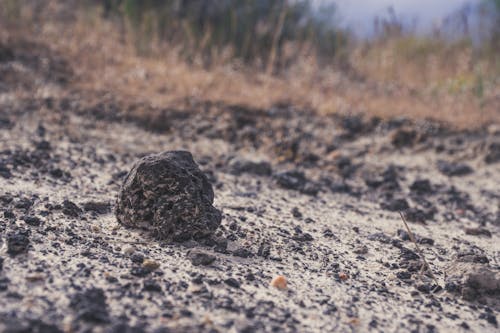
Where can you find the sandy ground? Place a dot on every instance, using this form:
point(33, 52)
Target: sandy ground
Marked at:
point(323, 211)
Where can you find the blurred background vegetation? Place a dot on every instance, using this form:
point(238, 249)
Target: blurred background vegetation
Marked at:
point(275, 34)
point(296, 47)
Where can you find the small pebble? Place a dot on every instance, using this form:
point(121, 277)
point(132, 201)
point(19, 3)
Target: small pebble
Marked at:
point(150, 264)
point(279, 282)
point(129, 250)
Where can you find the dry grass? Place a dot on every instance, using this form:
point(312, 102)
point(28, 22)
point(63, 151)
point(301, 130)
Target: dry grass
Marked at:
point(386, 82)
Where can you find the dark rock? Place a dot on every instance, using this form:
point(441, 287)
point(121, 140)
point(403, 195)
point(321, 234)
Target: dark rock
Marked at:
point(71, 209)
point(151, 285)
point(472, 257)
point(395, 205)
point(403, 137)
point(137, 258)
point(168, 195)
point(418, 215)
point(296, 213)
point(18, 241)
point(404, 275)
point(98, 207)
point(454, 169)
point(90, 306)
point(296, 180)
point(4, 283)
point(140, 271)
point(381, 237)
point(5, 171)
point(59, 173)
point(127, 328)
point(23, 203)
point(1, 263)
point(421, 186)
point(478, 232)
point(425, 241)
point(20, 325)
point(493, 155)
point(200, 258)
point(242, 252)
point(490, 318)
point(303, 237)
point(407, 254)
point(345, 166)
point(403, 235)
point(43, 145)
point(232, 282)
point(8, 214)
point(264, 250)
point(32, 220)
point(238, 166)
point(473, 281)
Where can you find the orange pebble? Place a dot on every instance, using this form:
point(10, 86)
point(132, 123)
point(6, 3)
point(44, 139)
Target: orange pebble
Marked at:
point(279, 282)
point(343, 276)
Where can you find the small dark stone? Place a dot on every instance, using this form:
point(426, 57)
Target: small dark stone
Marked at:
point(56, 173)
point(293, 180)
point(296, 213)
point(472, 257)
point(32, 220)
point(126, 328)
point(198, 258)
point(478, 232)
point(264, 250)
point(170, 196)
point(407, 254)
point(425, 241)
point(90, 306)
point(493, 155)
point(140, 271)
point(404, 275)
point(4, 283)
point(98, 207)
point(395, 205)
point(404, 137)
point(21, 325)
point(296, 180)
point(239, 166)
point(1, 263)
point(242, 252)
point(418, 215)
point(137, 258)
point(18, 241)
point(151, 285)
point(403, 235)
point(454, 169)
point(328, 233)
point(490, 318)
point(421, 186)
point(424, 288)
point(303, 237)
point(232, 282)
point(8, 214)
point(381, 237)
point(23, 203)
point(5, 171)
point(71, 209)
point(43, 145)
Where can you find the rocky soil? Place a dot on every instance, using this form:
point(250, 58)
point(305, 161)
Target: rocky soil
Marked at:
point(310, 197)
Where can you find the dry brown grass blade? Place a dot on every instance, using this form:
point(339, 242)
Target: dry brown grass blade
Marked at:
point(412, 237)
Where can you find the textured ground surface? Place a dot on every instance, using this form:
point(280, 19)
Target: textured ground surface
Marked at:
point(322, 211)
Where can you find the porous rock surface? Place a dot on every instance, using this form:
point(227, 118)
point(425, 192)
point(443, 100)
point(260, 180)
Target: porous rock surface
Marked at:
point(170, 196)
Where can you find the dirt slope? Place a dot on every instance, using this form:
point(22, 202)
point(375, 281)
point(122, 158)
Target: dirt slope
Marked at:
point(322, 210)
